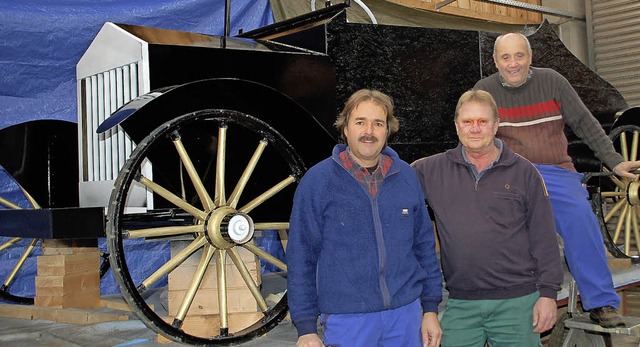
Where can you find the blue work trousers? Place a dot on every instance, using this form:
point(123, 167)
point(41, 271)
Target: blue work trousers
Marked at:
point(579, 228)
point(399, 327)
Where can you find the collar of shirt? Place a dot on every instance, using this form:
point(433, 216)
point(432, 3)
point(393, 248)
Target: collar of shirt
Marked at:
point(506, 85)
point(368, 181)
point(478, 175)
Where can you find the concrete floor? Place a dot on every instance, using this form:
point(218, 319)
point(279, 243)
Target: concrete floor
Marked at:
point(23, 332)
point(132, 332)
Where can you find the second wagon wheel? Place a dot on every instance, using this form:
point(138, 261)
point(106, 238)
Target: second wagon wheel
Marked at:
point(24, 251)
point(219, 178)
point(618, 201)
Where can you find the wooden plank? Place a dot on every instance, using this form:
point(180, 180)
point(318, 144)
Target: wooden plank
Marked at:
point(206, 301)
point(181, 277)
point(71, 316)
point(619, 263)
point(86, 300)
point(79, 283)
point(477, 9)
point(65, 246)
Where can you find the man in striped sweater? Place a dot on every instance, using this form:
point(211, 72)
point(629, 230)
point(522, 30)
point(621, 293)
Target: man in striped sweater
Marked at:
point(534, 105)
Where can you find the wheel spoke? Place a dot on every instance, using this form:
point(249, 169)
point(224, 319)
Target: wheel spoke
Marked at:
point(634, 146)
point(174, 199)
point(20, 263)
point(166, 231)
point(614, 194)
point(266, 195)
point(621, 219)
point(221, 272)
point(246, 276)
point(616, 180)
point(621, 203)
point(284, 237)
point(242, 182)
point(9, 204)
point(627, 231)
point(220, 194)
point(30, 198)
point(634, 225)
point(193, 175)
point(207, 254)
point(173, 263)
point(10, 243)
point(623, 146)
point(272, 226)
point(265, 255)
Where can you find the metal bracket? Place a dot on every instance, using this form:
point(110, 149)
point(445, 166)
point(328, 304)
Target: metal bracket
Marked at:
point(442, 4)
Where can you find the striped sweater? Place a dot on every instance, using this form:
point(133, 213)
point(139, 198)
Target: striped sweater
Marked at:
point(533, 116)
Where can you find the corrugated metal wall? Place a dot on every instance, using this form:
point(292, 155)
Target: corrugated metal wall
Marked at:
point(614, 36)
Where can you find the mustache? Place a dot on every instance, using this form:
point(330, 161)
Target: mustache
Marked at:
point(368, 138)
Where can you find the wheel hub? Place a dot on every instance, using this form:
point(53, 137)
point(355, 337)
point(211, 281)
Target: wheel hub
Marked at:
point(632, 193)
point(239, 228)
point(227, 227)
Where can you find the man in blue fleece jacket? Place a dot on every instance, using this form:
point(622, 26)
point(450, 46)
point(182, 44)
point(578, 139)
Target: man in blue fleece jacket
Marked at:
point(361, 251)
point(500, 254)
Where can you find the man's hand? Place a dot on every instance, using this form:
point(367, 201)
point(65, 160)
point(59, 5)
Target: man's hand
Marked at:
point(624, 169)
point(544, 314)
point(309, 340)
point(431, 331)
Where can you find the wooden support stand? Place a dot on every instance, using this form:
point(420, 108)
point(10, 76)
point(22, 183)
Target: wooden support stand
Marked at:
point(68, 286)
point(68, 274)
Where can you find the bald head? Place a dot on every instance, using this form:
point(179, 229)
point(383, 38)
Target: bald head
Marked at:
point(512, 56)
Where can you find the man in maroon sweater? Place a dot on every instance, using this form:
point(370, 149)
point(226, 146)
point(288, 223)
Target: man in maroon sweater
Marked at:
point(534, 104)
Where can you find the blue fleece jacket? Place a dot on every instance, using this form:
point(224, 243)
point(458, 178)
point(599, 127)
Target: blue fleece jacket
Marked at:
point(351, 253)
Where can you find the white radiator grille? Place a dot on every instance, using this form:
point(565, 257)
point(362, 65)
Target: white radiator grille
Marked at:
point(104, 93)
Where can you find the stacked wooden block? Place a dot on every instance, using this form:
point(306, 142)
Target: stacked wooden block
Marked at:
point(68, 274)
point(202, 318)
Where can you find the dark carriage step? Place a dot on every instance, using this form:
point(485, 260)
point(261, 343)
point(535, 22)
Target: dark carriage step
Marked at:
point(55, 223)
point(583, 322)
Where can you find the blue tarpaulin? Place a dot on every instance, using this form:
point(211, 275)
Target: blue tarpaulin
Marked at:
point(42, 41)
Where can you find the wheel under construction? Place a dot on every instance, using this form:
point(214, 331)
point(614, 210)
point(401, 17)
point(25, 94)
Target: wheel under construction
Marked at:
point(215, 259)
point(618, 200)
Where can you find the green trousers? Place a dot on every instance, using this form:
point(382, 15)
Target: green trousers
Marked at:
point(500, 323)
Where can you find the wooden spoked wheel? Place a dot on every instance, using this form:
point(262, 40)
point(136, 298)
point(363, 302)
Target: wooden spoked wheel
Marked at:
point(619, 200)
point(23, 249)
point(216, 294)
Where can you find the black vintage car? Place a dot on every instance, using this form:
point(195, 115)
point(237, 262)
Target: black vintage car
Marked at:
point(232, 123)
